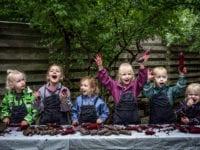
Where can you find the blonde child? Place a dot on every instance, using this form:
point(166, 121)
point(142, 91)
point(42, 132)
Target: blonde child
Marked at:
point(17, 104)
point(125, 90)
point(162, 96)
point(89, 107)
point(188, 111)
point(53, 99)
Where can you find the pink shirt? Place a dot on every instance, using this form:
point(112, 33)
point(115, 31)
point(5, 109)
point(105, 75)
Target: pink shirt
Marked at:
point(116, 88)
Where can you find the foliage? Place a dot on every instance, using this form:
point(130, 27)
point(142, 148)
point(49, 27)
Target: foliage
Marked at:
point(78, 29)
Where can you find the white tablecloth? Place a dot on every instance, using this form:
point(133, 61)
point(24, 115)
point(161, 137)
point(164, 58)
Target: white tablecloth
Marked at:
point(137, 141)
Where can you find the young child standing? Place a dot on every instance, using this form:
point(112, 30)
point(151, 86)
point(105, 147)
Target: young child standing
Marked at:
point(89, 107)
point(125, 90)
point(17, 104)
point(162, 96)
point(53, 99)
point(188, 111)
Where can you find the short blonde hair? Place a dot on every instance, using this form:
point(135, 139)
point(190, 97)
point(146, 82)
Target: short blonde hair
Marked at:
point(59, 66)
point(93, 84)
point(125, 67)
point(11, 74)
point(156, 70)
point(193, 87)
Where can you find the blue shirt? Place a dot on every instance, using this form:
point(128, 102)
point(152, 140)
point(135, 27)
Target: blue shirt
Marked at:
point(101, 107)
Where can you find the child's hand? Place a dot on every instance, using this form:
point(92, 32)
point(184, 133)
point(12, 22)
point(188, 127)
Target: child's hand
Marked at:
point(98, 60)
point(24, 123)
point(36, 95)
point(99, 121)
point(190, 102)
point(6, 120)
point(185, 120)
point(63, 95)
point(75, 123)
point(182, 72)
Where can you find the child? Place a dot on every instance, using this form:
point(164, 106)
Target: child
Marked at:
point(17, 104)
point(189, 109)
point(53, 99)
point(89, 107)
point(162, 96)
point(124, 91)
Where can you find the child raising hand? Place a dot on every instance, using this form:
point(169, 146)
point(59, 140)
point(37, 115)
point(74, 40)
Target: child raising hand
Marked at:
point(125, 89)
point(162, 96)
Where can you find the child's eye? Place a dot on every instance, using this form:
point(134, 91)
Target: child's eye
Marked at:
point(193, 94)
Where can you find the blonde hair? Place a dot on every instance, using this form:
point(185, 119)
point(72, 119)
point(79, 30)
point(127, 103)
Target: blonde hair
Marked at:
point(124, 67)
point(11, 74)
point(156, 70)
point(193, 87)
point(93, 84)
point(61, 70)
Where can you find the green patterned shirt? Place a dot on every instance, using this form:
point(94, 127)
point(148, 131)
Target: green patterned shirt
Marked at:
point(11, 99)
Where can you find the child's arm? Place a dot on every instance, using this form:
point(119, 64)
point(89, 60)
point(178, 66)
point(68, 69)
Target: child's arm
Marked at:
point(32, 113)
point(143, 74)
point(148, 90)
point(103, 112)
point(75, 110)
point(5, 111)
point(65, 100)
point(180, 86)
point(103, 75)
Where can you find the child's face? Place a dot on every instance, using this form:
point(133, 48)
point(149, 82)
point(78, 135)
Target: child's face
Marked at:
point(54, 75)
point(126, 77)
point(195, 98)
point(19, 83)
point(85, 88)
point(160, 78)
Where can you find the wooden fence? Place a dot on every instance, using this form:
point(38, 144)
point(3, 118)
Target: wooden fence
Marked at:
point(19, 50)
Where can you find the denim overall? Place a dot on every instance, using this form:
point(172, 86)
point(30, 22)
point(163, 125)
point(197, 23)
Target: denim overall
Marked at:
point(126, 111)
point(161, 111)
point(88, 113)
point(52, 113)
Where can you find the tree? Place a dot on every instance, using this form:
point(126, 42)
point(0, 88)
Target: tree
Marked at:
point(87, 27)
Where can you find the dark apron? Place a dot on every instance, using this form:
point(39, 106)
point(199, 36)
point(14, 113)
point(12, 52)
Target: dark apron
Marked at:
point(52, 113)
point(126, 111)
point(18, 112)
point(88, 113)
point(161, 111)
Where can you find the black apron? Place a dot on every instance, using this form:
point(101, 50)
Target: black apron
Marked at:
point(52, 113)
point(126, 111)
point(161, 111)
point(88, 113)
point(18, 112)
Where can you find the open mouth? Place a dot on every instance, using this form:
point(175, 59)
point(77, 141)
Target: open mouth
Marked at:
point(54, 77)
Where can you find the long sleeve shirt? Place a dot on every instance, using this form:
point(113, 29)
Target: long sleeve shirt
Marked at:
point(10, 99)
point(46, 91)
point(192, 113)
point(116, 88)
point(174, 91)
point(102, 110)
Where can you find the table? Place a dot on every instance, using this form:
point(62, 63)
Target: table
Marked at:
point(137, 141)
